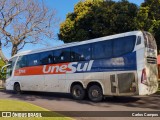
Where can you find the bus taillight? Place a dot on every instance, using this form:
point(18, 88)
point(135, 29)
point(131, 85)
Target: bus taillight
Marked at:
point(144, 77)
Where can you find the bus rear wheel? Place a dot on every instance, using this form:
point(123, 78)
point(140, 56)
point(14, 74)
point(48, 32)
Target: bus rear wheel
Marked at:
point(78, 92)
point(95, 93)
point(17, 88)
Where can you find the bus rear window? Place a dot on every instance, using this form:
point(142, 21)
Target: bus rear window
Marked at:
point(149, 41)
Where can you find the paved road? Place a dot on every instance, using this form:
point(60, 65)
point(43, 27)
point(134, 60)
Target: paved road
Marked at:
point(64, 102)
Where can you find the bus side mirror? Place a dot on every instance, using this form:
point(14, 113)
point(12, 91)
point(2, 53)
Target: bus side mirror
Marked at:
point(3, 68)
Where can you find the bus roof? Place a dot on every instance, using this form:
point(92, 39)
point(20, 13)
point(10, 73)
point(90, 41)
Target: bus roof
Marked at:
point(78, 43)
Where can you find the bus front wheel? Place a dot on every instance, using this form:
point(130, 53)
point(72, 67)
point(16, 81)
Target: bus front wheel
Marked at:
point(78, 92)
point(17, 88)
point(95, 93)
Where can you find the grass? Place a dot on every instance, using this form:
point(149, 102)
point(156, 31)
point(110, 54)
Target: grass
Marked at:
point(14, 105)
point(1, 87)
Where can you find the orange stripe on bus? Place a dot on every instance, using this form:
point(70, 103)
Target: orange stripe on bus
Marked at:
point(38, 70)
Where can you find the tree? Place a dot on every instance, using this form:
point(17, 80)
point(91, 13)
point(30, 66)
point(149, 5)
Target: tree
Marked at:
point(148, 18)
point(97, 18)
point(25, 22)
point(2, 76)
point(124, 17)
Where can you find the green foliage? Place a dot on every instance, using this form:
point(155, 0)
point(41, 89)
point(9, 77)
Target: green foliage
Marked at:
point(2, 63)
point(97, 18)
point(124, 17)
point(148, 18)
point(142, 18)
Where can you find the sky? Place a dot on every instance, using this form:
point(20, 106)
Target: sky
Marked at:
point(62, 7)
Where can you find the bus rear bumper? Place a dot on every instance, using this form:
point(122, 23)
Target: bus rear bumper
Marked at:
point(148, 89)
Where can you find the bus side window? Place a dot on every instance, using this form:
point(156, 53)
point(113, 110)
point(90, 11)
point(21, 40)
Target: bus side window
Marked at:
point(65, 55)
point(123, 45)
point(61, 56)
point(81, 53)
point(22, 62)
point(34, 59)
point(56, 54)
point(138, 40)
point(102, 50)
point(46, 57)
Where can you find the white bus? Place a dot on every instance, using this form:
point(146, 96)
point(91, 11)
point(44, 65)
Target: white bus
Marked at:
point(117, 65)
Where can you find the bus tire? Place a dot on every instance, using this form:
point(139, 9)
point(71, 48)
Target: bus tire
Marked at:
point(95, 93)
point(78, 92)
point(17, 88)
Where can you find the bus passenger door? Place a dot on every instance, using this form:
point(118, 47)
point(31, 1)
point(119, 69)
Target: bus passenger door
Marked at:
point(28, 71)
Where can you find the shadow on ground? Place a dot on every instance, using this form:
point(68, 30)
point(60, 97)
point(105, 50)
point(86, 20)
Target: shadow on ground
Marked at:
point(152, 101)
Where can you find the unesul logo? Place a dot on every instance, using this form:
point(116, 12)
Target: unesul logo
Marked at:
point(68, 68)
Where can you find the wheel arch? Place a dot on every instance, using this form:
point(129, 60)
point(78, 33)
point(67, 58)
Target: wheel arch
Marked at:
point(15, 84)
point(95, 83)
point(76, 83)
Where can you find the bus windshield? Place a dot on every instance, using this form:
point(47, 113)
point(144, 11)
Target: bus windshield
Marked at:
point(149, 41)
point(10, 67)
